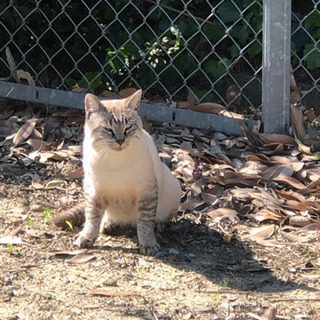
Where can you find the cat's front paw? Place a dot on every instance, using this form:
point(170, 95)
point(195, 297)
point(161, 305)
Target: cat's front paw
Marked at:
point(149, 250)
point(83, 242)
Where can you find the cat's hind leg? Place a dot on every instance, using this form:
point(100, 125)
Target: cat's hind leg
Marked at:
point(110, 227)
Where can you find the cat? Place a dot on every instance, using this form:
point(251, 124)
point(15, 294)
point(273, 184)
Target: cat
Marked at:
point(124, 178)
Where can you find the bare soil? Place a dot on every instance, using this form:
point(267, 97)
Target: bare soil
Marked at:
point(200, 273)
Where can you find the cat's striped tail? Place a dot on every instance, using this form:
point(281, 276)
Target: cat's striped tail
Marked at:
point(74, 216)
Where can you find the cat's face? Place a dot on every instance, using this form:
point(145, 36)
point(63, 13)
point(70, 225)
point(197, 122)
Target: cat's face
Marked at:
point(113, 124)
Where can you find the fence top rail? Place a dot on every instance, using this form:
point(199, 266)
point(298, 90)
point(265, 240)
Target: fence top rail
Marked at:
point(153, 112)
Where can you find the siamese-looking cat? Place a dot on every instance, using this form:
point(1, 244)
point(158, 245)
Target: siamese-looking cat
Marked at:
point(125, 181)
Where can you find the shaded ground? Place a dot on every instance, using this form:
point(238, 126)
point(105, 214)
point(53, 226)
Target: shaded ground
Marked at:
point(212, 266)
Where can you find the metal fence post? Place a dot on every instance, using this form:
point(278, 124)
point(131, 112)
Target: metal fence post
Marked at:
point(276, 65)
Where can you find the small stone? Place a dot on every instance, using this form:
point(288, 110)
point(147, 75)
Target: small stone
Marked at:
point(186, 257)
point(160, 255)
point(76, 311)
point(173, 251)
point(110, 282)
point(35, 207)
point(15, 293)
point(171, 140)
point(186, 145)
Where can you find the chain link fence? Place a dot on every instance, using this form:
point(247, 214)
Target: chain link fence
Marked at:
point(175, 50)
point(305, 55)
point(168, 48)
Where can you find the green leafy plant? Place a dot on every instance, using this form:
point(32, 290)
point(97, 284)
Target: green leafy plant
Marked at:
point(126, 260)
point(10, 248)
point(91, 80)
point(47, 214)
point(312, 56)
point(30, 222)
point(217, 67)
point(223, 283)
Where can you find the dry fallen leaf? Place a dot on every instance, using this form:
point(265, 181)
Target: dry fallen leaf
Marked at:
point(297, 121)
point(58, 253)
point(78, 256)
point(290, 181)
point(192, 98)
point(302, 147)
point(278, 138)
point(233, 96)
point(266, 214)
point(35, 144)
point(37, 185)
point(24, 132)
point(75, 174)
point(270, 314)
point(310, 115)
point(7, 128)
point(291, 195)
point(252, 136)
point(109, 95)
point(299, 221)
point(82, 258)
point(312, 227)
point(293, 84)
point(184, 104)
point(196, 187)
point(125, 93)
point(26, 76)
point(231, 114)
point(223, 213)
point(259, 157)
point(110, 293)
point(208, 197)
point(260, 234)
point(191, 204)
point(207, 107)
point(12, 65)
point(277, 171)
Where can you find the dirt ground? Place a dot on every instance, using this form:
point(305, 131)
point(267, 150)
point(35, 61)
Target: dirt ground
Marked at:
point(205, 270)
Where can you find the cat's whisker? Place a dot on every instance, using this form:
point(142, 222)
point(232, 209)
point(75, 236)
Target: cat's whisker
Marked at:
point(102, 154)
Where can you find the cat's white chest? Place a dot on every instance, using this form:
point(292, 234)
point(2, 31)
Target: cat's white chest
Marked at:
point(120, 178)
point(120, 171)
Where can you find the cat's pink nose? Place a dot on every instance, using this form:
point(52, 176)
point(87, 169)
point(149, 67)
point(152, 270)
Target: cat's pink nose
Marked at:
point(120, 141)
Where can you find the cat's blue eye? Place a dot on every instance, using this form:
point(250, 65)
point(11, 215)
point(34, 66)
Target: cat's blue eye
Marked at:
point(128, 130)
point(109, 132)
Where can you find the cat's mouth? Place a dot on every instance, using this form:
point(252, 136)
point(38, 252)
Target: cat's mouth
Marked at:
point(118, 147)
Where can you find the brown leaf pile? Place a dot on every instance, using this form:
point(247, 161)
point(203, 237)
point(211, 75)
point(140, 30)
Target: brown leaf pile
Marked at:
point(266, 179)
point(229, 178)
point(29, 138)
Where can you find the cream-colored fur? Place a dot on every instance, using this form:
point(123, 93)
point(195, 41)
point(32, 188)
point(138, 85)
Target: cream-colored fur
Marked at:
point(121, 176)
point(121, 180)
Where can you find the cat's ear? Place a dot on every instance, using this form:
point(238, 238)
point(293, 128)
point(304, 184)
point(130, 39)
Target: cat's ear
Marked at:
point(92, 103)
point(134, 100)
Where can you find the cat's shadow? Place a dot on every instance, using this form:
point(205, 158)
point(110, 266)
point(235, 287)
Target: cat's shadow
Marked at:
point(195, 247)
